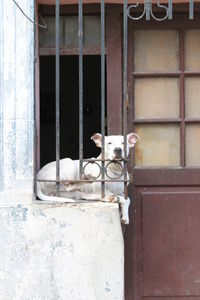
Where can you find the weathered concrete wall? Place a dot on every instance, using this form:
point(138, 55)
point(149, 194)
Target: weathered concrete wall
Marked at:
point(16, 100)
point(47, 252)
point(61, 252)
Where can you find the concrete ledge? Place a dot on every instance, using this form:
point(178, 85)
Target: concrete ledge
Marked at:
point(61, 251)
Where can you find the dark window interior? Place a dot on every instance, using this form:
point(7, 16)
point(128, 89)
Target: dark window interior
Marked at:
point(69, 106)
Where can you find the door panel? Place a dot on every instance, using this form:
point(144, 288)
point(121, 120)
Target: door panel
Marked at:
point(170, 225)
point(163, 241)
point(167, 244)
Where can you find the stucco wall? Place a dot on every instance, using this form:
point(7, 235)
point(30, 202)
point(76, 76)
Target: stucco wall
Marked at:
point(16, 100)
point(47, 251)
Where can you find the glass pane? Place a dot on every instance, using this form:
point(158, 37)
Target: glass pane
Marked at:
point(157, 98)
point(47, 36)
point(159, 145)
point(193, 145)
point(70, 36)
point(92, 28)
point(156, 50)
point(192, 50)
point(192, 97)
point(69, 31)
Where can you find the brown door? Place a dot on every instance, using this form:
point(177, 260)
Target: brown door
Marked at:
point(163, 241)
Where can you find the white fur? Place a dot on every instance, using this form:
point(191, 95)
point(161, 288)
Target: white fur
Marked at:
point(69, 170)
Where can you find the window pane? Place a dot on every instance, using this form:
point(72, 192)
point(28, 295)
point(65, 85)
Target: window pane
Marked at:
point(193, 145)
point(192, 97)
point(159, 145)
point(157, 98)
point(70, 35)
point(192, 50)
point(156, 50)
point(92, 28)
point(47, 36)
point(69, 31)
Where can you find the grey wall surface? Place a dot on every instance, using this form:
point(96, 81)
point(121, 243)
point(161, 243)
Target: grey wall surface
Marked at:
point(16, 99)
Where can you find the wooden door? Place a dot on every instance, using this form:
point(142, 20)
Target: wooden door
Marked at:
point(163, 241)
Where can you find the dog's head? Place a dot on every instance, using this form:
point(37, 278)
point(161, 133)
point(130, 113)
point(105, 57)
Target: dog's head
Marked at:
point(114, 144)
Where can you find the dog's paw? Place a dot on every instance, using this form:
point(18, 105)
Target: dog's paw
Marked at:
point(90, 177)
point(53, 194)
point(113, 199)
point(125, 221)
point(70, 187)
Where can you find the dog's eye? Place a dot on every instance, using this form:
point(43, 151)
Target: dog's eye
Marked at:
point(122, 143)
point(109, 143)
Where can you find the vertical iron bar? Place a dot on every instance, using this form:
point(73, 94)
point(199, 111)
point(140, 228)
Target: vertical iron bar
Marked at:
point(103, 94)
point(148, 9)
point(191, 10)
point(57, 97)
point(80, 89)
point(170, 10)
point(125, 44)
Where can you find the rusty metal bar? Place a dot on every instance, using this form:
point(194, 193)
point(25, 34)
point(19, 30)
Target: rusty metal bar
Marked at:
point(125, 46)
point(57, 97)
point(80, 89)
point(82, 180)
point(103, 95)
point(114, 161)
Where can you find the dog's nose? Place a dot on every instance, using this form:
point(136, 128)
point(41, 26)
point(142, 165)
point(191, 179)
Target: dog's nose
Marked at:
point(118, 151)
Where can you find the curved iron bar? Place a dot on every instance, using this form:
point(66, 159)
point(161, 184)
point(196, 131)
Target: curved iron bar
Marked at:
point(129, 12)
point(166, 11)
point(114, 162)
point(148, 11)
point(89, 177)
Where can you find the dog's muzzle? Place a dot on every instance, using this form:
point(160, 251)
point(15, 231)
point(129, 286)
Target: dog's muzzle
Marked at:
point(118, 152)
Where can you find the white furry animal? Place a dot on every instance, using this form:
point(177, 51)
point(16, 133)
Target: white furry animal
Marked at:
point(69, 170)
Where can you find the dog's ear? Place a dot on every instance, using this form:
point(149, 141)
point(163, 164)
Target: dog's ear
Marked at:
point(97, 138)
point(132, 139)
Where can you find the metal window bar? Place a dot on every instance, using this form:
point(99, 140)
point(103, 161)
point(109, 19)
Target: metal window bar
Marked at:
point(80, 12)
point(57, 97)
point(104, 163)
point(125, 38)
point(103, 168)
point(103, 95)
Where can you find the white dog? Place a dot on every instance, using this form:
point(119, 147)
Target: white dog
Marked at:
point(69, 170)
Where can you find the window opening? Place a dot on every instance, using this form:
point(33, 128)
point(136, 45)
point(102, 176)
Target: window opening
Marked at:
point(69, 106)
